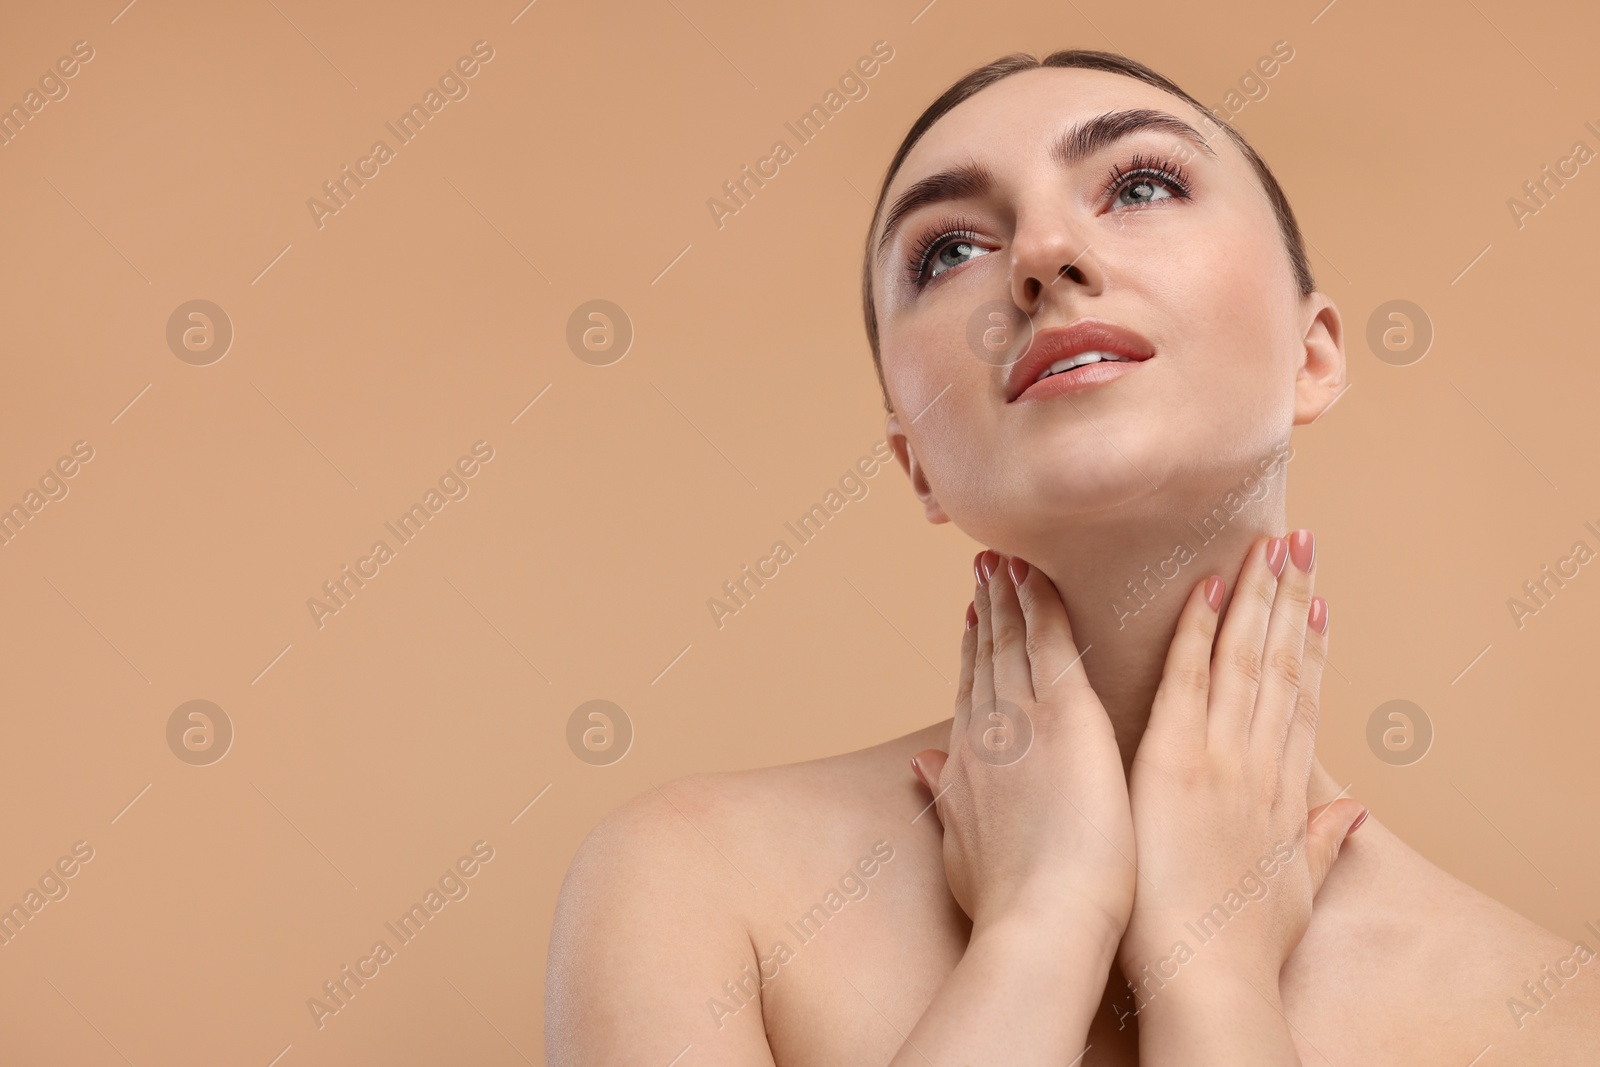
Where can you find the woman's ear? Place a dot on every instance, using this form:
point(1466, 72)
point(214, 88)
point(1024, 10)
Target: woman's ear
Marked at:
point(1320, 380)
point(908, 463)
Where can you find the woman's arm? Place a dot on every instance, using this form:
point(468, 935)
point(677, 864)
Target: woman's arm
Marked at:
point(647, 930)
point(1218, 1019)
point(1023, 994)
point(1231, 857)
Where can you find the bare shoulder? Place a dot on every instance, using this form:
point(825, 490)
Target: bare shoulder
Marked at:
point(647, 925)
point(1439, 971)
point(1551, 1014)
point(776, 829)
point(653, 926)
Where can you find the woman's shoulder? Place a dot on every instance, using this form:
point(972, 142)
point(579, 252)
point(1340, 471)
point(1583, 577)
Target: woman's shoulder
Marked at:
point(761, 815)
point(1453, 966)
point(805, 801)
point(665, 893)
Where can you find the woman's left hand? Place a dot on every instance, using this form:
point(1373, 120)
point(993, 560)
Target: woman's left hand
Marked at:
point(1228, 860)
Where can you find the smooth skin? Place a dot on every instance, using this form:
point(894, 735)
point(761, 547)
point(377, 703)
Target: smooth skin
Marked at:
point(741, 918)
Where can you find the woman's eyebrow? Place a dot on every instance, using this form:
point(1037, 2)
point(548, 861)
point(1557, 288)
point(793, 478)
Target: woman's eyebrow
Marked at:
point(972, 179)
point(1091, 136)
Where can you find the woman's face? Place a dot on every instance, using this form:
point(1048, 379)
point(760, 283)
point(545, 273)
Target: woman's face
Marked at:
point(1194, 263)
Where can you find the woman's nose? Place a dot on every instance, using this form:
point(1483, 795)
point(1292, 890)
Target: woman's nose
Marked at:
point(1050, 256)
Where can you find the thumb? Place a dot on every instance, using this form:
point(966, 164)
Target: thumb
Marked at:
point(928, 766)
point(1327, 826)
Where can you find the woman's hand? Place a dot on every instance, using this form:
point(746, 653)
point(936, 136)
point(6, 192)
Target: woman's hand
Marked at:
point(1228, 860)
point(1038, 836)
point(1037, 825)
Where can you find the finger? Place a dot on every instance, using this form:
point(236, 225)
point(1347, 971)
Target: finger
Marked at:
point(1326, 831)
point(969, 653)
point(1300, 746)
point(929, 767)
point(1178, 713)
point(983, 657)
point(1283, 652)
point(1053, 656)
point(1236, 660)
point(1013, 676)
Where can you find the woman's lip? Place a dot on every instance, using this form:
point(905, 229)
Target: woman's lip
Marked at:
point(1088, 334)
point(1076, 381)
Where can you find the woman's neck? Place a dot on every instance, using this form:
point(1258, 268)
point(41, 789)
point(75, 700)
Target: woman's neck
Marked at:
point(1124, 599)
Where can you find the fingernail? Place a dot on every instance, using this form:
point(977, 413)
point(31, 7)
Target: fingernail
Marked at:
point(972, 620)
point(1019, 569)
point(1359, 820)
point(1318, 619)
point(1302, 549)
point(987, 564)
point(1214, 592)
point(977, 569)
point(1277, 555)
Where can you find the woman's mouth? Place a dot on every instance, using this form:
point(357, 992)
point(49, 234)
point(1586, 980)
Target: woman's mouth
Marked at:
point(1087, 353)
point(1085, 375)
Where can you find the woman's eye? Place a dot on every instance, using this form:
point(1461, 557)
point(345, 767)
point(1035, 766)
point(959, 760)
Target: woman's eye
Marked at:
point(947, 256)
point(1142, 190)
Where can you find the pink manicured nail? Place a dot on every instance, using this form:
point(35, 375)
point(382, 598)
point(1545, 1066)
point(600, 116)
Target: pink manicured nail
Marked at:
point(1359, 820)
point(972, 620)
point(977, 568)
point(1277, 555)
point(1302, 549)
point(1318, 619)
point(1019, 569)
point(988, 562)
point(1214, 592)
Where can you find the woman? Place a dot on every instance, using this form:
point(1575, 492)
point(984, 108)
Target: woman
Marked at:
point(1130, 826)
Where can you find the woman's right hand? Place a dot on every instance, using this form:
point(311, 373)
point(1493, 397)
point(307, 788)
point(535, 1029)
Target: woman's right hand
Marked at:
point(1032, 793)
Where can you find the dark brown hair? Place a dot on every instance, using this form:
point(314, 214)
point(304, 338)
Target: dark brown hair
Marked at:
point(985, 76)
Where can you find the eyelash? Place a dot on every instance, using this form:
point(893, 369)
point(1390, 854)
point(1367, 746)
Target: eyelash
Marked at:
point(1172, 174)
point(1140, 168)
point(958, 226)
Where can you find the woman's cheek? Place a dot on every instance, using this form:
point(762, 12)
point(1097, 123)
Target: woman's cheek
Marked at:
point(928, 362)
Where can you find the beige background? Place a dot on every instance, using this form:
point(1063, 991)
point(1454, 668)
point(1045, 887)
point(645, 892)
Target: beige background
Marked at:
point(432, 309)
